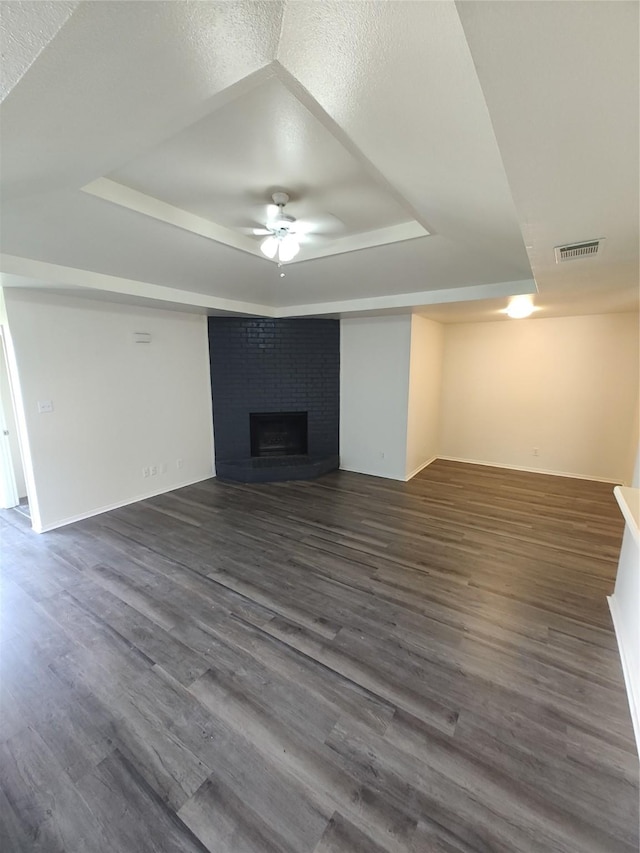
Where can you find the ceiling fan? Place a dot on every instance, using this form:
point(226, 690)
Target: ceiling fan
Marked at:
point(283, 233)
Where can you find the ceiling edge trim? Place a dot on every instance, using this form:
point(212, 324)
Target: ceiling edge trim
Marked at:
point(46, 275)
point(112, 191)
point(116, 193)
point(32, 273)
point(413, 300)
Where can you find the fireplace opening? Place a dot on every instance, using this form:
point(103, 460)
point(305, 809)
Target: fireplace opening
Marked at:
point(278, 433)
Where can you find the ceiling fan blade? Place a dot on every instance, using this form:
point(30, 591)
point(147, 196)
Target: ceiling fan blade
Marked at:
point(328, 223)
point(324, 223)
point(312, 239)
point(262, 213)
point(253, 231)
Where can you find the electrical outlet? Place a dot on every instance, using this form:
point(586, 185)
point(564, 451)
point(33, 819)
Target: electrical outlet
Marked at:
point(145, 472)
point(153, 470)
point(45, 406)
point(535, 451)
point(179, 463)
point(382, 454)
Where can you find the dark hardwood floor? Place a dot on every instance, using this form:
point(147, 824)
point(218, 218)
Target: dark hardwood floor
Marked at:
point(350, 665)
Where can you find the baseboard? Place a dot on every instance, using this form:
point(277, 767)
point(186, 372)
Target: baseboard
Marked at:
point(99, 510)
point(371, 474)
point(420, 468)
point(530, 470)
point(487, 464)
point(631, 678)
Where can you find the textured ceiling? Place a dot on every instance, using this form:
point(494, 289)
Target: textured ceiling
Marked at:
point(503, 129)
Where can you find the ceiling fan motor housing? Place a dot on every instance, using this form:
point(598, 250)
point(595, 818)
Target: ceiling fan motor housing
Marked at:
point(282, 224)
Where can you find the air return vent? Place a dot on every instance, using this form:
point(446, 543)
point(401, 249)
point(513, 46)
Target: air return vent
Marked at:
point(574, 251)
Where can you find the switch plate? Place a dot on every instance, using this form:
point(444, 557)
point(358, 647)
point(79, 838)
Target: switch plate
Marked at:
point(45, 406)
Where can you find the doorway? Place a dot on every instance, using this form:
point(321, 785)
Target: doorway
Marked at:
point(13, 487)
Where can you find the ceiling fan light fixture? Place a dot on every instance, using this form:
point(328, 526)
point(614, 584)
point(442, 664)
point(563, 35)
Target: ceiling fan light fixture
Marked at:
point(289, 248)
point(281, 243)
point(269, 246)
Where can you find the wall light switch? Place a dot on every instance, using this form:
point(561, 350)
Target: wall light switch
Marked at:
point(45, 406)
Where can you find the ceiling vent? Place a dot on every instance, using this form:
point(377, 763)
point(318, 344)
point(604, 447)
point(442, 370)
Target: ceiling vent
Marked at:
point(574, 251)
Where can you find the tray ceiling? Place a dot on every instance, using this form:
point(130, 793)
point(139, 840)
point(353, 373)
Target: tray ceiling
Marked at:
point(141, 140)
point(224, 168)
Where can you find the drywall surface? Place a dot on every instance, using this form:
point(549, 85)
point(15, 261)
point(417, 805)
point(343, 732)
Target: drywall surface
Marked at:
point(634, 452)
point(374, 387)
point(118, 407)
point(425, 380)
point(565, 386)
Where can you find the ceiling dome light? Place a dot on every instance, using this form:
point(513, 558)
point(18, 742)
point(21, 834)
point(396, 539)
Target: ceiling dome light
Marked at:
point(520, 307)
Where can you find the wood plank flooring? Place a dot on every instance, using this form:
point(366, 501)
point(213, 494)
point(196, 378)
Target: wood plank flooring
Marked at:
point(350, 665)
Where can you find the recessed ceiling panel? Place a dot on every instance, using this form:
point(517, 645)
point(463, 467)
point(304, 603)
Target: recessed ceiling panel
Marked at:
point(225, 167)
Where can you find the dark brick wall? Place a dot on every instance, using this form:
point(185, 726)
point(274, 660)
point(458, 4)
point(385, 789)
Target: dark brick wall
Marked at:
point(274, 366)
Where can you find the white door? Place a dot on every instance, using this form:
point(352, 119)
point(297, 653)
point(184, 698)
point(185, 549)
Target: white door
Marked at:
point(8, 487)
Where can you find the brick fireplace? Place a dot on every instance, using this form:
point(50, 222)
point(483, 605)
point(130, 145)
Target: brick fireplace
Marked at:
point(279, 379)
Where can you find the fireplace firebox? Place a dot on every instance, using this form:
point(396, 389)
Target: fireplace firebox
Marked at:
point(278, 433)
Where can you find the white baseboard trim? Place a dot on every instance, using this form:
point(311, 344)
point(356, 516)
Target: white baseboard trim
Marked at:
point(631, 678)
point(99, 510)
point(420, 468)
point(371, 474)
point(531, 470)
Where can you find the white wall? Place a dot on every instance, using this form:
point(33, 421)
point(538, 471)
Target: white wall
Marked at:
point(567, 386)
point(425, 380)
point(118, 406)
point(374, 388)
point(634, 451)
